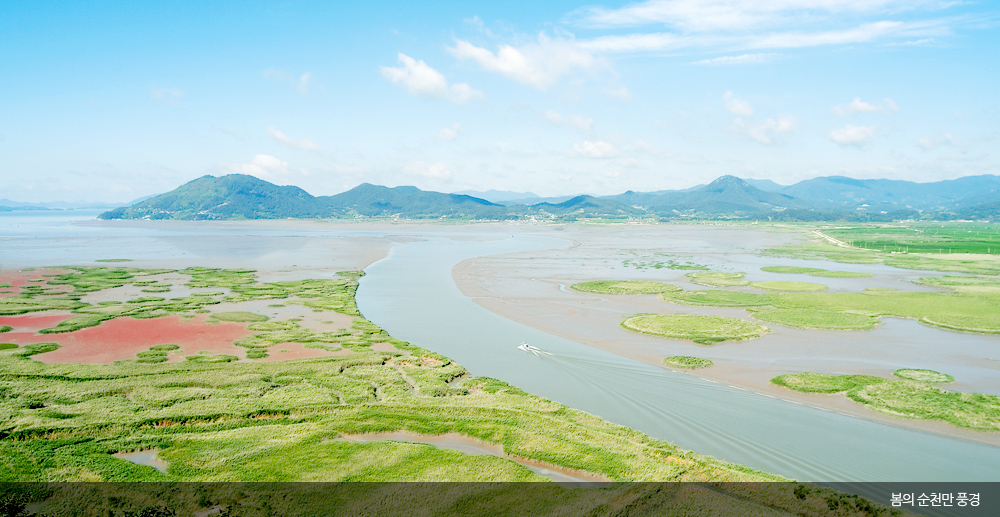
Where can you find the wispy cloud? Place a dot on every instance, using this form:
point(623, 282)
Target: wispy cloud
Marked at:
point(744, 59)
point(595, 149)
point(437, 171)
point(932, 142)
point(737, 106)
point(577, 121)
point(297, 143)
point(716, 15)
point(263, 166)
point(538, 64)
point(421, 80)
point(766, 132)
point(733, 25)
point(301, 83)
point(448, 133)
point(854, 136)
point(165, 95)
point(860, 106)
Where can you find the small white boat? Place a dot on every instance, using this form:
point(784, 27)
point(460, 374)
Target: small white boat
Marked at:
point(528, 348)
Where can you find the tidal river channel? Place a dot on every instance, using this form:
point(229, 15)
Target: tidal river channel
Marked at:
point(412, 295)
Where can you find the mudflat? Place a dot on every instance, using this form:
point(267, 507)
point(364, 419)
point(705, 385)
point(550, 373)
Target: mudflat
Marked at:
point(533, 288)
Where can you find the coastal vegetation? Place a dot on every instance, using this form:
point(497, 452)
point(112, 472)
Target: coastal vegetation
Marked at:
point(970, 307)
point(911, 396)
point(219, 417)
point(686, 361)
point(815, 318)
point(704, 330)
point(779, 285)
point(716, 279)
point(923, 375)
point(625, 287)
point(657, 263)
point(215, 417)
point(812, 271)
point(897, 245)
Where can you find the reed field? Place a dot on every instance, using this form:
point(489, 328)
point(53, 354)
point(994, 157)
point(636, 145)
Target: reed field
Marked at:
point(625, 287)
point(704, 330)
point(686, 361)
point(911, 396)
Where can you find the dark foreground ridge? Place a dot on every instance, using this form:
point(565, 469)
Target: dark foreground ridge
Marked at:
point(238, 196)
point(475, 499)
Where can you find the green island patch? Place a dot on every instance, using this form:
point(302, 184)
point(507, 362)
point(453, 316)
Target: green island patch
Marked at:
point(716, 279)
point(5, 328)
point(903, 398)
point(718, 298)
point(779, 285)
point(238, 316)
point(686, 361)
point(917, 374)
point(625, 287)
point(815, 318)
point(704, 330)
point(815, 272)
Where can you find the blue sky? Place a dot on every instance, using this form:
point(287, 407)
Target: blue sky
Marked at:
point(104, 103)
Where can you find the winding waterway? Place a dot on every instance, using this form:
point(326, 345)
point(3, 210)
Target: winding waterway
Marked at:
point(412, 295)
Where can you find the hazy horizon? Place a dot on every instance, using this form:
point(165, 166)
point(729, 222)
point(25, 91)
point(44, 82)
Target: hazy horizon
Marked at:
point(106, 104)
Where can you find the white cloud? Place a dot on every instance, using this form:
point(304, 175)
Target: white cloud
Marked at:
point(448, 133)
point(263, 166)
point(744, 59)
point(577, 121)
point(853, 135)
point(166, 95)
point(298, 143)
point(709, 15)
point(737, 106)
point(860, 106)
point(636, 43)
point(936, 141)
point(729, 25)
point(596, 149)
point(537, 64)
point(765, 132)
point(427, 170)
point(420, 79)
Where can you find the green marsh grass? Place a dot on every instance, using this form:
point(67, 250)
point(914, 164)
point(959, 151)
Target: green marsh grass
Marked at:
point(239, 317)
point(5, 328)
point(816, 319)
point(686, 361)
point(716, 279)
point(778, 285)
point(704, 330)
point(916, 374)
point(625, 287)
point(815, 272)
point(904, 398)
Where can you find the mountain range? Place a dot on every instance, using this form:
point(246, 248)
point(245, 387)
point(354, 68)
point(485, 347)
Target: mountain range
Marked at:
point(238, 196)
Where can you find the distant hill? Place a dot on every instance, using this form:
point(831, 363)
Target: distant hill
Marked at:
point(374, 201)
point(239, 196)
point(235, 196)
point(843, 192)
point(500, 196)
